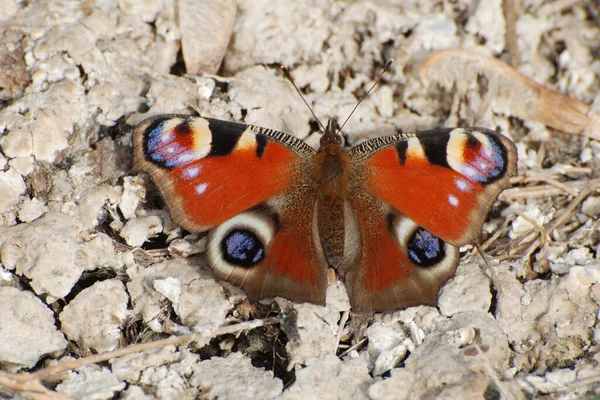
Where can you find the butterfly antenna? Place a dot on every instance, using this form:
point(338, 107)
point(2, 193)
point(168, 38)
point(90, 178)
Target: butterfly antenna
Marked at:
point(286, 73)
point(387, 66)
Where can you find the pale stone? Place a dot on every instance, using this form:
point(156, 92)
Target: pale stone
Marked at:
point(206, 27)
point(27, 330)
point(138, 230)
point(12, 186)
point(94, 317)
point(91, 382)
point(234, 377)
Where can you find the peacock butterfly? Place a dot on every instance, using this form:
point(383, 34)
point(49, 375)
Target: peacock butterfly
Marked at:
point(387, 214)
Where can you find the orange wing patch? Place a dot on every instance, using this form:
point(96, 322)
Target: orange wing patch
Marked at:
point(287, 258)
point(433, 196)
point(385, 263)
point(207, 200)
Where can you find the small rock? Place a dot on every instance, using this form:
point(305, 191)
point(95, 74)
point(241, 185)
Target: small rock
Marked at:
point(32, 209)
point(234, 377)
point(591, 206)
point(12, 186)
point(330, 378)
point(93, 318)
point(206, 27)
point(469, 290)
point(137, 231)
point(92, 383)
point(27, 329)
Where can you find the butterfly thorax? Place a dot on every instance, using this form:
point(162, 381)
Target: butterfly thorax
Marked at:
point(332, 168)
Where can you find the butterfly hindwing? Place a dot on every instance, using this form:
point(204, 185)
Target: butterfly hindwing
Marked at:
point(209, 170)
point(414, 197)
point(252, 185)
point(272, 250)
point(399, 265)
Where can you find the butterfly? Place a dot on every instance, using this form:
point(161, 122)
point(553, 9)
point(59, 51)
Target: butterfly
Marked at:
point(388, 214)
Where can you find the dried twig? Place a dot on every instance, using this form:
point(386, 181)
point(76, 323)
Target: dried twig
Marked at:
point(553, 188)
point(560, 220)
point(510, 9)
point(30, 384)
point(26, 386)
point(341, 326)
point(495, 236)
point(355, 346)
point(591, 187)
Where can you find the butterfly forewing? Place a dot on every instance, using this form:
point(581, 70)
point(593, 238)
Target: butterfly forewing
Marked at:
point(445, 180)
point(209, 171)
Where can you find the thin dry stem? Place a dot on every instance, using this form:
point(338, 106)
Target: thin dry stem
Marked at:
point(97, 358)
point(495, 236)
point(342, 324)
point(510, 8)
point(564, 216)
point(353, 347)
point(30, 384)
point(28, 387)
point(553, 188)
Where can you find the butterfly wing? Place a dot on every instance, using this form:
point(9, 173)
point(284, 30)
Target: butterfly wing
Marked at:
point(414, 196)
point(272, 250)
point(251, 184)
point(209, 170)
point(392, 263)
point(445, 180)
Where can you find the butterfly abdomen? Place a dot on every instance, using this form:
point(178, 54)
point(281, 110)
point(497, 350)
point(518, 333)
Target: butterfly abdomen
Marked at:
point(332, 169)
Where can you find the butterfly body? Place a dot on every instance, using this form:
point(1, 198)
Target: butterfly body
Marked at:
point(386, 215)
point(332, 173)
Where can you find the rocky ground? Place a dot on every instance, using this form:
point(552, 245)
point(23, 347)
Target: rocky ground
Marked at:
point(91, 263)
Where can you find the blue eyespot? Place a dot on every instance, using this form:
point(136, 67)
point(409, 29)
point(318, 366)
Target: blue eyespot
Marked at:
point(488, 165)
point(242, 248)
point(425, 249)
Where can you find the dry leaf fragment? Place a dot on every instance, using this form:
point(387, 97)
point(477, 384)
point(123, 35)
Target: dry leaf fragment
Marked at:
point(510, 91)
